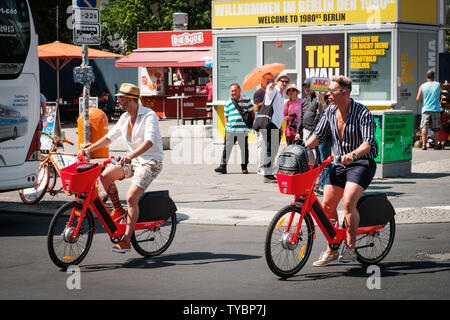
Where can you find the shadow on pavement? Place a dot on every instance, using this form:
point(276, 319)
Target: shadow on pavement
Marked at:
point(188, 258)
point(388, 269)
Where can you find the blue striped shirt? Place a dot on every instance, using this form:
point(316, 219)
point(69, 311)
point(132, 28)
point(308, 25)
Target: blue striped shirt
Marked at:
point(359, 128)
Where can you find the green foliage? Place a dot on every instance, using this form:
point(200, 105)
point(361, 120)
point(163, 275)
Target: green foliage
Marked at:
point(122, 19)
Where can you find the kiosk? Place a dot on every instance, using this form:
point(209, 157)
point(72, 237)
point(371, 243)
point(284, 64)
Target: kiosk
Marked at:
point(385, 46)
point(172, 73)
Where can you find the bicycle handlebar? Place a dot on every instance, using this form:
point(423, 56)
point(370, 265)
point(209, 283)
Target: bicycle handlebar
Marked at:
point(55, 140)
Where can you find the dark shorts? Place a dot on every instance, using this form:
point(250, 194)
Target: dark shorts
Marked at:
point(360, 172)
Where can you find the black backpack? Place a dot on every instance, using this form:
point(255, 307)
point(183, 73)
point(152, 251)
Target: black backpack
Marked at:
point(293, 160)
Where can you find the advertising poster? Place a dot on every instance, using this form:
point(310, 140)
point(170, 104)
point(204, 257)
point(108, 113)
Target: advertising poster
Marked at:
point(151, 81)
point(398, 137)
point(48, 125)
point(369, 65)
point(323, 56)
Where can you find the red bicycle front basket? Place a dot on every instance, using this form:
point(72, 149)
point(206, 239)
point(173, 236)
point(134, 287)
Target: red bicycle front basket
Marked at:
point(298, 184)
point(74, 181)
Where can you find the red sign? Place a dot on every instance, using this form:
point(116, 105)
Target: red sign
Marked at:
point(175, 39)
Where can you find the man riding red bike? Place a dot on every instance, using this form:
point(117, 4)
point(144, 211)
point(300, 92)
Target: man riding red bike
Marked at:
point(352, 128)
point(140, 128)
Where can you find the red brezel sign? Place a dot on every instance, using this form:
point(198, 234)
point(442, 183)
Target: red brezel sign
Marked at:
point(175, 39)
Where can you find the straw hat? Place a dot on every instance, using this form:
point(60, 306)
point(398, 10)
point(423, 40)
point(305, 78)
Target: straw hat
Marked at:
point(128, 90)
point(283, 75)
point(292, 87)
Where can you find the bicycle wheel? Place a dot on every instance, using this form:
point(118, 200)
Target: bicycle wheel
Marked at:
point(53, 176)
point(36, 193)
point(371, 249)
point(153, 242)
point(286, 255)
point(63, 248)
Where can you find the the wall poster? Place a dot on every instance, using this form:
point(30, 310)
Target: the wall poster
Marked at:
point(322, 56)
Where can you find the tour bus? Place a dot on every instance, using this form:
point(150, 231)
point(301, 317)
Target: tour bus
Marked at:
point(19, 97)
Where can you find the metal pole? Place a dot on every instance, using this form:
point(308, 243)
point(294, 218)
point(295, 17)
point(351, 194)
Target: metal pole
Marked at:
point(86, 92)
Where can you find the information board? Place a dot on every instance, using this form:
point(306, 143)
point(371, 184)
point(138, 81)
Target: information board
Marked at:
point(235, 59)
point(398, 137)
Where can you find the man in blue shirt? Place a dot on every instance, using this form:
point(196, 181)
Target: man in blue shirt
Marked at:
point(430, 95)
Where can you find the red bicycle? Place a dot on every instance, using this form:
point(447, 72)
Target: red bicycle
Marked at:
point(291, 233)
point(72, 228)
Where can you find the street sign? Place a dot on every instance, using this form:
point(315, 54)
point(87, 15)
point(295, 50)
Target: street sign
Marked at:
point(86, 16)
point(88, 34)
point(86, 3)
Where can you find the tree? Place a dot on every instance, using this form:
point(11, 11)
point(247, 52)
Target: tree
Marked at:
point(44, 16)
point(123, 19)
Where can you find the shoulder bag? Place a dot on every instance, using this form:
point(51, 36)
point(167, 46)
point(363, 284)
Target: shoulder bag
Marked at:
point(247, 115)
point(264, 117)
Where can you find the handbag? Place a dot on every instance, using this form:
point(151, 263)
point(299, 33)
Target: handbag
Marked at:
point(264, 117)
point(290, 131)
point(246, 115)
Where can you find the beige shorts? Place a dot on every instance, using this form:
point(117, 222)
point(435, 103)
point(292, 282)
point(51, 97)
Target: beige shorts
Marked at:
point(143, 174)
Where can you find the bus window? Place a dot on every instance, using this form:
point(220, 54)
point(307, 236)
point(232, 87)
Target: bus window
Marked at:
point(19, 92)
point(15, 35)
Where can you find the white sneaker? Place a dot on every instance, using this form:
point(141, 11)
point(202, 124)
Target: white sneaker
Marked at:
point(347, 255)
point(325, 258)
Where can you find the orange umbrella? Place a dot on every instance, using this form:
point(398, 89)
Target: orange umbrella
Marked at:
point(254, 78)
point(66, 52)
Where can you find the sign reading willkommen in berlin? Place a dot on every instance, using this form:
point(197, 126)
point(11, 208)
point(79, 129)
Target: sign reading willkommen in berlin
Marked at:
point(289, 12)
point(323, 56)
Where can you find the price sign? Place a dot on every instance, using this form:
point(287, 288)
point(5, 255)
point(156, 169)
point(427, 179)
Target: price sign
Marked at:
point(86, 16)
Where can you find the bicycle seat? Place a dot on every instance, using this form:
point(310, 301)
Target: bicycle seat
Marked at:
point(86, 167)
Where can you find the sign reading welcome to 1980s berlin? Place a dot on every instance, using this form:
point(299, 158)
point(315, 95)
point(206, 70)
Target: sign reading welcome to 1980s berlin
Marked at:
point(289, 12)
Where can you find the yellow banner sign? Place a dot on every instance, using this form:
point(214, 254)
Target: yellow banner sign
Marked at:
point(227, 14)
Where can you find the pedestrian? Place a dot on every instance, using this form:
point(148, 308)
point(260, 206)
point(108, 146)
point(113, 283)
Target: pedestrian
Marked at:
point(209, 91)
point(352, 129)
point(430, 95)
point(106, 103)
point(311, 110)
point(292, 109)
point(324, 152)
point(270, 138)
point(258, 100)
point(139, 127)
point(235, 128)
point(43, 110)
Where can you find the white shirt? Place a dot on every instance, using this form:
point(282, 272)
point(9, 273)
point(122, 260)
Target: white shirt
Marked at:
point(145, 128)
point(278, 104)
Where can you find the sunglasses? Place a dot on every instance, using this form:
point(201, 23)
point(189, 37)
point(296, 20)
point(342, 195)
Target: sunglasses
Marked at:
point(333, 91)
point(284, 81)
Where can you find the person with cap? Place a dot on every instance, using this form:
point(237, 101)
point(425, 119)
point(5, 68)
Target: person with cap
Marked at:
point(270, 139)
point(292, 109)
point(311, 111)
point(139, 127)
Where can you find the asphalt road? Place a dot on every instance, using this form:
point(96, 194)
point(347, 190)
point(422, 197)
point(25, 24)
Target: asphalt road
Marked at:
point(217, 263)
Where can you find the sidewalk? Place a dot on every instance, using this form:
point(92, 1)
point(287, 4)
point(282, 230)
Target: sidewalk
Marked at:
point(206, 197)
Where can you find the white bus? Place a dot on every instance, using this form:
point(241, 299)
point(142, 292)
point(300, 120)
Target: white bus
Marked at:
point(19, 97)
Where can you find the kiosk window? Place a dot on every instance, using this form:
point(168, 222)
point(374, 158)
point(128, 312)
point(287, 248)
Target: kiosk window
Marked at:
point(280, 52)
point(369, 65)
